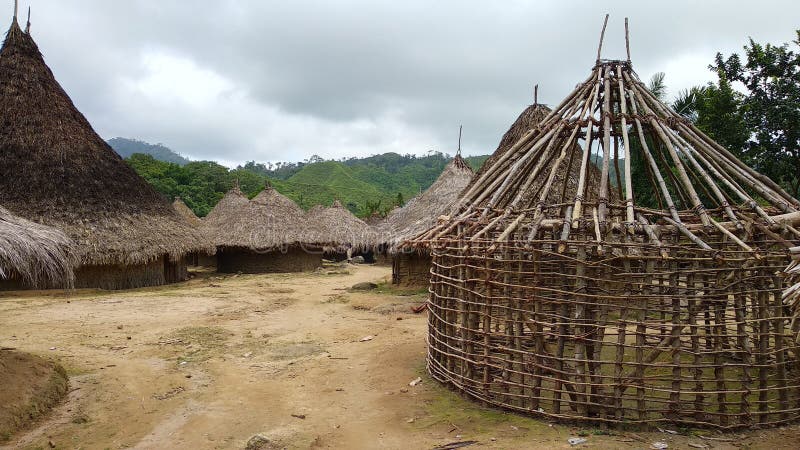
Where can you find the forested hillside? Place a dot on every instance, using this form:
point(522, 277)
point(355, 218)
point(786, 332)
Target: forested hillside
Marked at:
point(376, 183)
point(127, 147)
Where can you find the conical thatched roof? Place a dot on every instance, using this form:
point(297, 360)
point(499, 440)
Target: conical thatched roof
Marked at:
point(337, 227)
point(375, 220)
point(525, 123)
point(55, 170)
point(280, 203)
point(38, 255)
point(184, 211)
point(269, 221)
point(423, 211)
point(612, 118)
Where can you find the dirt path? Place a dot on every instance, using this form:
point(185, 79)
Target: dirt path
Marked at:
point(212, 362)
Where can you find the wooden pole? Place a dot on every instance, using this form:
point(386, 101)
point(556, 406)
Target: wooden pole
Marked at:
point(627, 41)
point(626, 143)
point(603, 198)
point(16, 9)
point(602, 35)
point(577, 211)
point(460, 127)
point(536, 94)
point(28, 24)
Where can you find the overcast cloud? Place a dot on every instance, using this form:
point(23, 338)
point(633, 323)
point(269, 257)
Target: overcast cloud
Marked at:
point(234, 81)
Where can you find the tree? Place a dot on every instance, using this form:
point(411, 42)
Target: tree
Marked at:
point(770, 107)
point(717, 111)
point(657, 86)
point(400, 201)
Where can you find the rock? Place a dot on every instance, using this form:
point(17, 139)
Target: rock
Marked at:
point(415, 381)
point(357, 260)
point(259, 442)
point(576, 441)
point(366, 286)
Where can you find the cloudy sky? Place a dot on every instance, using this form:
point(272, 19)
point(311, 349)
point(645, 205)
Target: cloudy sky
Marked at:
point(237, 80)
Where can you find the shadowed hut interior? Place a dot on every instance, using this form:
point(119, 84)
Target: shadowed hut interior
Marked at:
point(411, 267)
point(646, 291)
point(58, 172)
point(263, 235)
point(33, 255)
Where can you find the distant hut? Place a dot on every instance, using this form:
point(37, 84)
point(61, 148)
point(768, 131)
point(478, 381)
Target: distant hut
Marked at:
point(264, 235)
point(375, 219)
point(184, 211)
point(526, 122)
point(194, 259)
point(412, 266)
point(33, 255)
point(380, 253)
point(340, 232)
point(55, 170)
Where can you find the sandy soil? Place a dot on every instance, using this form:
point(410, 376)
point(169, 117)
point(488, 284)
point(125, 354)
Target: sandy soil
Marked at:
point(29, 388)
point(211, 362)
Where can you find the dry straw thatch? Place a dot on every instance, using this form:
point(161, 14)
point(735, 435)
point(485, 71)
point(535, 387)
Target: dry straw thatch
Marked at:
point(57, 171)
point(37, 255)
point(422, 212)
point(184, 211)
point(553, 296)
point(337, 228)
point(269, 222)
point(526, 121)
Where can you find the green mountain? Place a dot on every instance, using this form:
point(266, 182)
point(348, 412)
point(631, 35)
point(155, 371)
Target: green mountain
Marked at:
point(127, 147)
point(364, 185)
point(323, 182)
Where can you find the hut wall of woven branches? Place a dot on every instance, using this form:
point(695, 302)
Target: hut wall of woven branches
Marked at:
point(411, 267)
point(263, 235)
point(292, 259)
point(661, 303)
point(34, 255)
point(56, 171)
point(340, 233)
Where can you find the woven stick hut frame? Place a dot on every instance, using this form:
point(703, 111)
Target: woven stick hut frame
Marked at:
point(559, 292)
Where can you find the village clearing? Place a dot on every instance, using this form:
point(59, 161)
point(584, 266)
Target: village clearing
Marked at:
point(299, 359)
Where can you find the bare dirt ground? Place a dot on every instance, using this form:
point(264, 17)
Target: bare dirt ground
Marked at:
point(211, 362)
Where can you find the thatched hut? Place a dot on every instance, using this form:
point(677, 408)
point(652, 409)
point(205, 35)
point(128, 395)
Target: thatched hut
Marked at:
point(184, 211)
point(410, 266)
point(662, 304)
point(267, 234)
point(379, 224)
point(55, 170)
point(194, 259)
point(340, 232)
point(33, 255)
point(375, 219)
